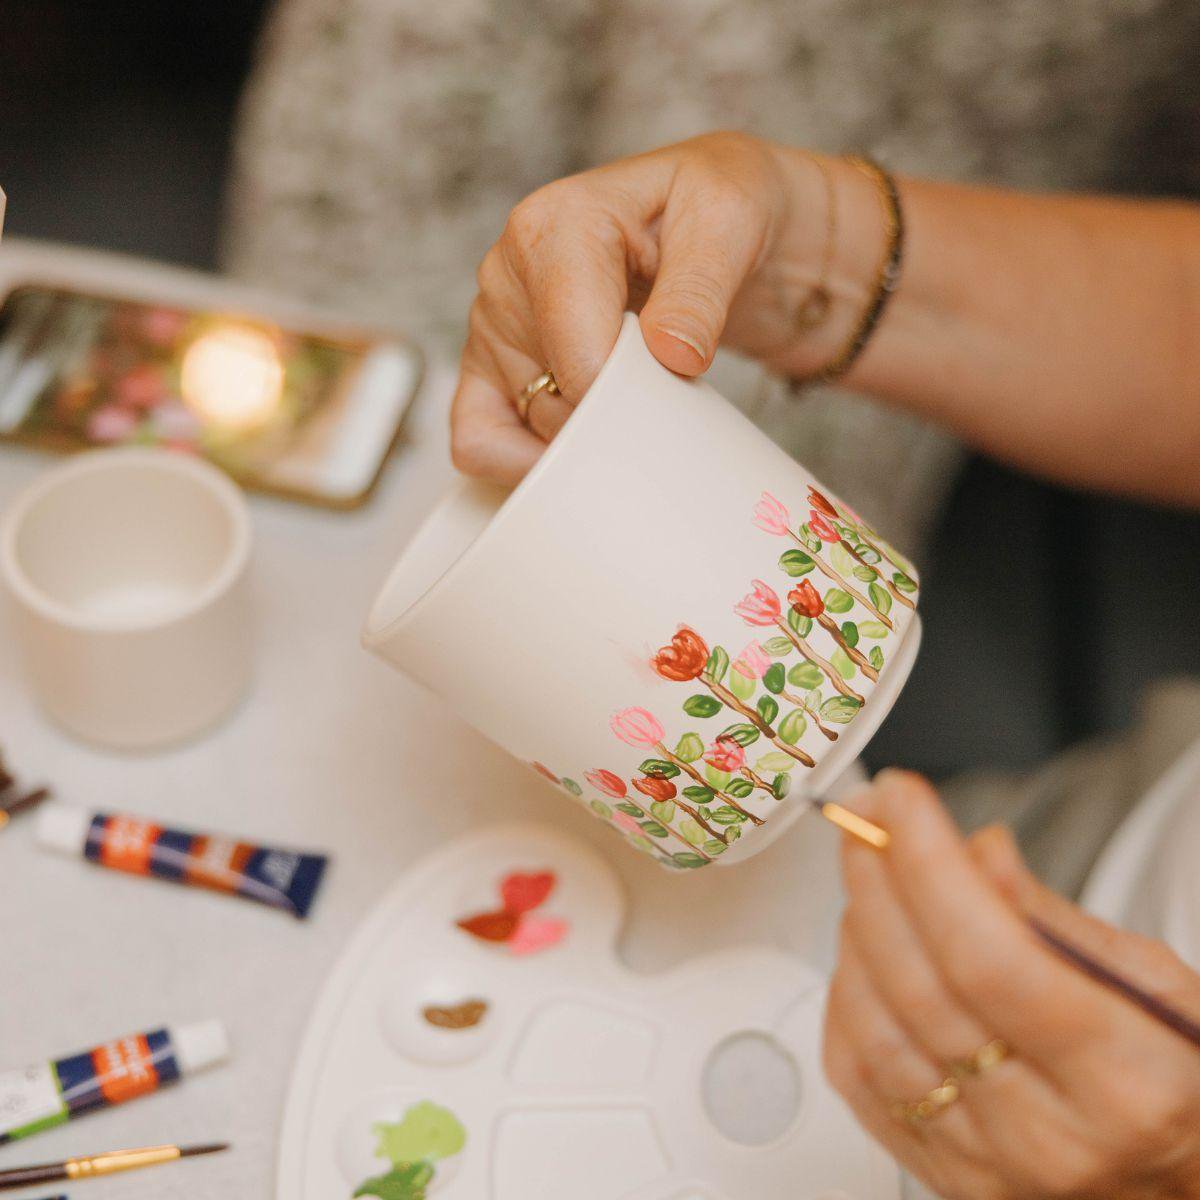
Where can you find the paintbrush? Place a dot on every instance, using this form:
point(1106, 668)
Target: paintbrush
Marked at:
point(95, 1165)
point(10, 808)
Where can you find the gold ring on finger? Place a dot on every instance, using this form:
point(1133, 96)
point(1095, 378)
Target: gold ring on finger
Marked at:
point(545, 382)
point(935, 1101)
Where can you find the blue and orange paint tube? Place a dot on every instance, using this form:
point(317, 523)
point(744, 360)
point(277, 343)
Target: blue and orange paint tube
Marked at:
point(45, 1095)
point(283, 879)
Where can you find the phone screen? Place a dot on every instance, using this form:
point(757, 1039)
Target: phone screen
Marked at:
point(269, 405)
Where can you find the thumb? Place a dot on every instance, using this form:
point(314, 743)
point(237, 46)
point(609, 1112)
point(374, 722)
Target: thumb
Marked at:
point(707, 247)
point(1151, 964)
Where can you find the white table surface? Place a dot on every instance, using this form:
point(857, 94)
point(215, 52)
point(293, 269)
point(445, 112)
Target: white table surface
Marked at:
point(331, 751)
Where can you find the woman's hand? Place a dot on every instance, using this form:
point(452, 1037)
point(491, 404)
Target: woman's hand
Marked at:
point(717, 238)
point(1096, 1099)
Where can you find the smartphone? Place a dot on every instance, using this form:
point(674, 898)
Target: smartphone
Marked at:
point(300, 412)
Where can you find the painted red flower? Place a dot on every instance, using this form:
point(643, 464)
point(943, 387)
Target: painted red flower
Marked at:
point(760, 606)
point(821, 503)
point(606, 782)
point(541, 769)
point(683, 659)
point(656, 789)
point(726, 755)
point(822, 528)
point(805, 600)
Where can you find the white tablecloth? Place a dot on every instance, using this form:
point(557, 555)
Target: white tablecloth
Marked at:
point(331, 750)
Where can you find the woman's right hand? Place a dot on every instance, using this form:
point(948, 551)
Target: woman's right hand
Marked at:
point(717, 239)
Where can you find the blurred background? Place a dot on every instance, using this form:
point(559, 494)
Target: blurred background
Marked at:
point(364, 153)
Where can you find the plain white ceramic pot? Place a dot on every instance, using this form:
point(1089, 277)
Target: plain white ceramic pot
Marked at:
point(636, 619)
point(128, 575)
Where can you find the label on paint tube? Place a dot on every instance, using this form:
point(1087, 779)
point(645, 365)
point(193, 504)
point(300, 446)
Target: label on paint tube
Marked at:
point(281, 878)
point(46, 1095)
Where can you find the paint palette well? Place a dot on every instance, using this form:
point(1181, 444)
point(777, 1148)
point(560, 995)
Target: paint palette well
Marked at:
point(481, 1040)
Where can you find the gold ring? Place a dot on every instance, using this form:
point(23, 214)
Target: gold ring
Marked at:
point(545, 382)
point(941, 1097)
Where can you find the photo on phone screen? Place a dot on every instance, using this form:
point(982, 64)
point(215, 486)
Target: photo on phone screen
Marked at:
point(290, 411)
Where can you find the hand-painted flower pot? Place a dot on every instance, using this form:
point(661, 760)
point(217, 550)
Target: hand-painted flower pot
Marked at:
point(669, 617)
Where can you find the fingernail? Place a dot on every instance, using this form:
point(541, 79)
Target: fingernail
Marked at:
point(690, 342)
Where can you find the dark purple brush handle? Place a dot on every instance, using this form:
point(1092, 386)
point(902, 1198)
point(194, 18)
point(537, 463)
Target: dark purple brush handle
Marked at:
point(1152, 1005)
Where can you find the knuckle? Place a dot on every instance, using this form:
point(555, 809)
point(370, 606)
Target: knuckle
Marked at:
point(491, 271)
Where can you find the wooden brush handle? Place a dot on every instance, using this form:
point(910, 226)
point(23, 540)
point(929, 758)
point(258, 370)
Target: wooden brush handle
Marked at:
point(19, 1177)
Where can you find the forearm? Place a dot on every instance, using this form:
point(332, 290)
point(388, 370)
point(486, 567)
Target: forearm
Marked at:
point(1057, 333)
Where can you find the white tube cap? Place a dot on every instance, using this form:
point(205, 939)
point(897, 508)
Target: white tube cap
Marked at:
point(63, 828)
point(200, 1045)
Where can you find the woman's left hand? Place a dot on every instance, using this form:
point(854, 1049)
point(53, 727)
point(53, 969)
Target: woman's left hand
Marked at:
point(1095, 1098)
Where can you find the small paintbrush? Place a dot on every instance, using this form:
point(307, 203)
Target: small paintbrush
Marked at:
point(101, 1164)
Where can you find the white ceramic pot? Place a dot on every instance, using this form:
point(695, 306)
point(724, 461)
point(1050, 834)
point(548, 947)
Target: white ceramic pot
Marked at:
point(669, 617)
point(128, 574)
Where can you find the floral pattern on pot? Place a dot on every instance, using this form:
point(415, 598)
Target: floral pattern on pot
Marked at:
point(821, 638)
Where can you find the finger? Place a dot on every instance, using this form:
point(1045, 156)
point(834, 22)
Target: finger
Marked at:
point(985, 953)
point(487, 439)
point(709, 242)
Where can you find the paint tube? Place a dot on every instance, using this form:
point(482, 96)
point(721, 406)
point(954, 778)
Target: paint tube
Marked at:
point(45, 1095)
point(281, 878)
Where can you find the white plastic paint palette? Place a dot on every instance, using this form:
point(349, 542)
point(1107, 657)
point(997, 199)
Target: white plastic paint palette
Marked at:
point(579, 1078)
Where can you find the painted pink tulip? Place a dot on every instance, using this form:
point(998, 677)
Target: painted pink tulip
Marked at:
point(606, 782)
point(726, 755)
point(752, 662)
point(770, 514)
point(626, 823)
point(112, 423)
point(637, 727)
point(822, 528)
point(760, 606)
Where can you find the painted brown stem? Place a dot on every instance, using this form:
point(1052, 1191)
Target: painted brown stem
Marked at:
point(800, 702)
point(828, 669)
point(668, 826)
point(727, 698)
point(758, 781)
point(725, 797)
point(887, 583)
point(830, 573)
point(687, 808)
point(830, 626)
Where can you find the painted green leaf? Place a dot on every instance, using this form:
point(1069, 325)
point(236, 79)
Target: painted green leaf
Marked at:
point(774, 679)
point(691, 831)
point(880, 597)
point(739, 789)
point(631, 809)
point(690, 748)
point(866, 574)
point(792, 727)
point(873, 629)
point(843, 664)
point(850, 633)
point(841, 710)
point(733, 832)
point(903, 582)
point(768, 708)
point(426, 1132)
point(714, 846)
point(868, 554)
point(685, 858)
point(775, 760)
point(727, 815)
point(600, 808)
point(780, 785)
point(718, 664)
point(876, 658)
point(698, 793)
point(642, 842)
point(796, 563)
point(778, 647)
point(663, 811)
point(743, 733)
point(845, 531)
point(704, 811)
point(654, 829)
point(717, 778)
point(659, 768)
point(805, 675)
point(406, 1181)
point(842, 559)
point(702, 705)
point(572, 787)
point(799, 622)
point(838, 601)
point(809, 538)
point(742, 686)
